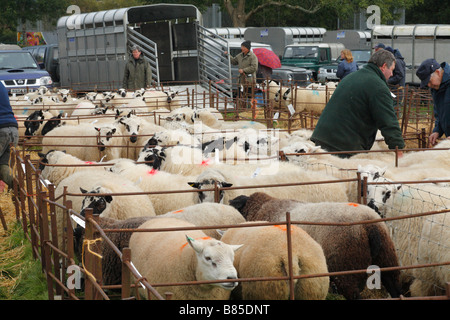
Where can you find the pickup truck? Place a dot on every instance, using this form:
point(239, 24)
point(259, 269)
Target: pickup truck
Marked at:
point(20, 73)
point(311, 55)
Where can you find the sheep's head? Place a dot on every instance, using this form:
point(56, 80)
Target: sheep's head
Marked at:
point(380, 196)
point(122, 92)
point(33, 122)
point(170, 95)
point(132, 124)
point(109, 95)
point(106, 135)
point(214, 261)
point(98, 203)
point(299, 148)
point(153, 157)
point(64, 94)
point(208, 180)
point(51, 124)
point(158, 139)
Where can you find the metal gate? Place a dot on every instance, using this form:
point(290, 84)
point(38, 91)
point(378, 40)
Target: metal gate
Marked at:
point(148, 47)
point(214, 67)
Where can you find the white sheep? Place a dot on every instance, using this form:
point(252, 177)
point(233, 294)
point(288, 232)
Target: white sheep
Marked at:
point(182, 256)
point(151, 180)
point(87, 180)
point(65, 165)
point(420, 240)
point(83, 137)
point(265, 254)
point(117, 206)
point(309, 193)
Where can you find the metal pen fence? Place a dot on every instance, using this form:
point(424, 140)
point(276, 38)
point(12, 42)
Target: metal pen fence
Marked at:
point(36, 204)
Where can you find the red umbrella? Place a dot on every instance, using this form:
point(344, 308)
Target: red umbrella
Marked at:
point(267, 58)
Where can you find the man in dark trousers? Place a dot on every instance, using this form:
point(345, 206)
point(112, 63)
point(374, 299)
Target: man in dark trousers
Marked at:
point(437, 77)
point(361, 105)
point(8, 134)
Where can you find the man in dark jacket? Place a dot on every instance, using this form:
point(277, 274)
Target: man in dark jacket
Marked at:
point(398, 76)
point(8, 134)
point(138, 73)
point(437, 77)
point(361, 105)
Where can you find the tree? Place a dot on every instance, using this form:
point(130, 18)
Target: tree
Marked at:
point(240, 14)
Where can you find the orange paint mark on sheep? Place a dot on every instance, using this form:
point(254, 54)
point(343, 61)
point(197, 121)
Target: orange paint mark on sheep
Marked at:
point(204, 238)
point(353, 204)
point(178, 211)
point(283, 228)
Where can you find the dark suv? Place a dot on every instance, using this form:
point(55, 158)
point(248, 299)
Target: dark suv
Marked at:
point(47, 56)
point(20, 73)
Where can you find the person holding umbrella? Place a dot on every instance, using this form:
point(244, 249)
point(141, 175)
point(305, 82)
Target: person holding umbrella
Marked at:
point(267, 61)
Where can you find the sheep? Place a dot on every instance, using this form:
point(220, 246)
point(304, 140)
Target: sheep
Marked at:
point(345, 248)
point(311, 193)
point(116, 206)
point(84, 108)
point(182, 256)
point(187, 160)
point(87, 180)
point(264, 254)
point(206, 214)
point(57, 173)
point(419, 240)
point(151, 180)
point(86, 147)
point(155, 99)
point(172, 137)
point(34, 123)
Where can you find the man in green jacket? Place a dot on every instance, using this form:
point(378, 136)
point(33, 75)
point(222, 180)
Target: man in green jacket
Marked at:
point(138, 73)
point(361, 105)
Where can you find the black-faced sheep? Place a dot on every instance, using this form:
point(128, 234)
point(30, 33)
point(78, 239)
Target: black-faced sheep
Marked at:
point(265, 254)
point(346, 247)
point(182, 256)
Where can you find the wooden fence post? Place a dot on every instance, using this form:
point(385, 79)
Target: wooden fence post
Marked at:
point(92, 260)
point(126, 280)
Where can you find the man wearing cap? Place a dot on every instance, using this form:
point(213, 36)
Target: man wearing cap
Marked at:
point(138, 73)
point(437, 77)
point(359, 107)
point(379, 46)
point(247, 63)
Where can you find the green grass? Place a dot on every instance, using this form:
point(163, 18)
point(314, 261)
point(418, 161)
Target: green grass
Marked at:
point(30, 282)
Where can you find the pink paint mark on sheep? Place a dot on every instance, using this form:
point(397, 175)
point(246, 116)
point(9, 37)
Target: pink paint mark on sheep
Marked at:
point(152, 172)
point(205, 162)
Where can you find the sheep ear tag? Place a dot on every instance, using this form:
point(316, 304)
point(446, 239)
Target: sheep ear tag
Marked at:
point(196, 245)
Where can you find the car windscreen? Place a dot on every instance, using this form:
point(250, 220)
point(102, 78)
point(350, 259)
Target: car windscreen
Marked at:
point(361, 55)
point(17, 60)
point(301, 52)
